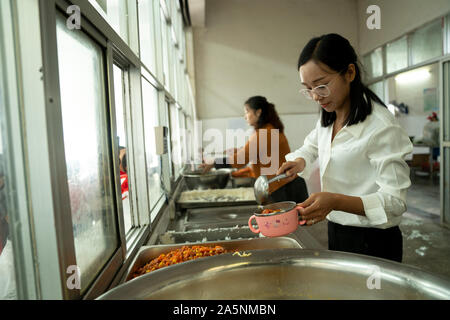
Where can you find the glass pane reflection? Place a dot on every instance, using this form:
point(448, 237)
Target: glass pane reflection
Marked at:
point(121, 135)
point(397, 55)
point(446, 194)
point(378, 89)
point(146, 31)
point(150, 107)
point(426, 43)
point(175, 141)
point(88, 160)
point(117, 14)
point(7, 272)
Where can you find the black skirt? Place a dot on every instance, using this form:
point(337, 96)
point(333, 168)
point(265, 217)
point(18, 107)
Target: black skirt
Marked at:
point(382, 243)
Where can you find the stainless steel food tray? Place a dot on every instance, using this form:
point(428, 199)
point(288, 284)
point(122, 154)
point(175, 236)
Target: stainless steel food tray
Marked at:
point(232, 201)
point(219, 217)
point(200, 204)
point(148, 253)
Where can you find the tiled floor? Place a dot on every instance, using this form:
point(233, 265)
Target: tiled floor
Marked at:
point(426, 242)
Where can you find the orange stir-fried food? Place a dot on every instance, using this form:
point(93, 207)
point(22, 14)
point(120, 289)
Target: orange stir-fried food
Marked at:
point(267, 211)
point(182, 254)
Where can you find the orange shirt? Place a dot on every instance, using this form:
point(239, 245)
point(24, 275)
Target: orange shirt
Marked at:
point(266, 156)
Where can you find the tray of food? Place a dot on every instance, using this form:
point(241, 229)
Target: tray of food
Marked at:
point(216, 198)
point(152, 258)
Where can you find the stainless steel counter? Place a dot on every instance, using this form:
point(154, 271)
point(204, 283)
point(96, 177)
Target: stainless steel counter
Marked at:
point(292, 267)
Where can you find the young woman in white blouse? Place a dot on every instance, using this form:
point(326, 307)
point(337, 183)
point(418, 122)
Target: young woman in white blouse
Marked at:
point(360, 149)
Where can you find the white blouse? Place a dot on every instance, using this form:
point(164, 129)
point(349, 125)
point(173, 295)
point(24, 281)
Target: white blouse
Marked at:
point(364, 160)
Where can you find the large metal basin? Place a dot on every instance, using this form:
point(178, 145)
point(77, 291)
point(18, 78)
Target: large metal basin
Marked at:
point(238, 182)
point(285, 274)
point(196, 180)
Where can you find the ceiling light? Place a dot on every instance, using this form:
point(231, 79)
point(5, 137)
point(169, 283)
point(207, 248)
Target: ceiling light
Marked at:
point(413, 76)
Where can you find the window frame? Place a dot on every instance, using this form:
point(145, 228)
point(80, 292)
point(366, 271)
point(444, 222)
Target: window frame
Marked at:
point(124, 66)
point(445, 39)
point(26, 275)
point(423, 27)
point(152, 208)
point(63, 218)
point(51, 241)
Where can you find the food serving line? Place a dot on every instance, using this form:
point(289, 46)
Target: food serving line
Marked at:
point(217, 237)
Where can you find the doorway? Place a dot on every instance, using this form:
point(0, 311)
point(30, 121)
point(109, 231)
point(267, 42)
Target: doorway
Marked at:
point(414, 100)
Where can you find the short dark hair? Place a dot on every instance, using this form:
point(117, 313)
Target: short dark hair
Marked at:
point(268, 112)
point(337, 53)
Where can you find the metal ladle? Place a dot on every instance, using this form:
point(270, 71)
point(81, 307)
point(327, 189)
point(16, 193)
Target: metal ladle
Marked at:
point(261, 187)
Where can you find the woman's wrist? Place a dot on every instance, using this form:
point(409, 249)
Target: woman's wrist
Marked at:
point(348, 204)
point(301, 161)
point(337, 201)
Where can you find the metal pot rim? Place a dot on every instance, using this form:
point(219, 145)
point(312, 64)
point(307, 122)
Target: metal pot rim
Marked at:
point(405, 276)
point(208, 174)
point(290, 206)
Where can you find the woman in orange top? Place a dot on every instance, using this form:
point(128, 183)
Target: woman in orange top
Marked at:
point(265, 151)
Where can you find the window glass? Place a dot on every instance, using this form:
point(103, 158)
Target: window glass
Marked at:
point(7, 273)
point(375, 63)
point(146, 34)
point(119, 89)
point(117, 14)
point(183, 46)
point(448, 34)
point(378, 89)
point(169, 147)
point(179, 80)
point(174, 65)
point(171, 67)
point(150, 107)
point(183, 145)
point(446, 193)
point(426, 43)
point(446, 109)
point(189, 139)
point(88, 161)
point(366, 68)
point(165, 48)
point(175, 141)
point(397, 55)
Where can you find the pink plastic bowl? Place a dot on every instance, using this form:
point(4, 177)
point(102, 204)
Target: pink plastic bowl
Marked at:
point(276, 224)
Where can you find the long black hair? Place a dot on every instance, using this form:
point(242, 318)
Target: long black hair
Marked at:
point(337, 53)
point(268, 112)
